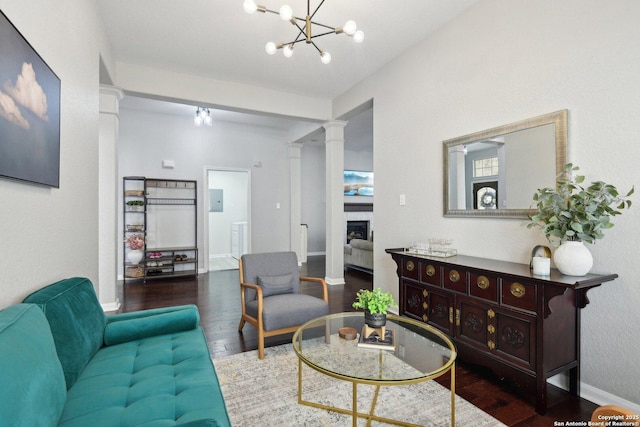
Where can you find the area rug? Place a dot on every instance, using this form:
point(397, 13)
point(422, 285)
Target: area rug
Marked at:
point(265, 393)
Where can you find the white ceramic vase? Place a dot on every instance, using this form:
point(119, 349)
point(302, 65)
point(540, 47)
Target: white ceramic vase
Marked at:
point(134, 256)
point(573, 258)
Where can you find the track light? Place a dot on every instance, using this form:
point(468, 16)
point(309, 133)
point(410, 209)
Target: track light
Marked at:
point(203, 116)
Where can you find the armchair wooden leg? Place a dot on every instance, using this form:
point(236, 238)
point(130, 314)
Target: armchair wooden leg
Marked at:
point(241, 325)
point(260, 345)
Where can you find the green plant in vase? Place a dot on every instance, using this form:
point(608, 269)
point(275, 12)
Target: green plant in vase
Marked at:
point(375, 304)
point(573, 212)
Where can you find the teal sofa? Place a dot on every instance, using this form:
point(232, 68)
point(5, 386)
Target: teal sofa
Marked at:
point(64, 362)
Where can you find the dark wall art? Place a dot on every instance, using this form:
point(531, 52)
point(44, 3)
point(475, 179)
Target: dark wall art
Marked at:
point(29, 112)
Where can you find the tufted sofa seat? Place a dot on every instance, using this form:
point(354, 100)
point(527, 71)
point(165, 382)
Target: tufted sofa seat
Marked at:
point(65, 363)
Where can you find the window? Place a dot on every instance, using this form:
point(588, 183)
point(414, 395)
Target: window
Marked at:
point(485, 167)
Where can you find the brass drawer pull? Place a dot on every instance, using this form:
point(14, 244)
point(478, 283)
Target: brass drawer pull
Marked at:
point(425, 318)
point(410, 266)
point(425, 305)
point(454, 276)
point(491, 329)
point(457, 317)
point(431, 270)
point(451, 315)
point(483, 282)
point(517, 290)
point(425, 293)
point(491, 314)
point(491, 345)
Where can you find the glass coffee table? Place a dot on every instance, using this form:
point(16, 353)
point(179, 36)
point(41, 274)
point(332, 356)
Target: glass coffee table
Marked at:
point(420, 353)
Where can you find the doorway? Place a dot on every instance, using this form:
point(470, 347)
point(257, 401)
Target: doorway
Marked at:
point(227, 212)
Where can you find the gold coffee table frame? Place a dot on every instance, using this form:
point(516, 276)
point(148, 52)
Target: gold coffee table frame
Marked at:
point(351, 317)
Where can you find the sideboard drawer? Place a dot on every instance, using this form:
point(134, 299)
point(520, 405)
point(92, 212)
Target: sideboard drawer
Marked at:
point(430, 273)
point(410, 269)
point(519, 295)
point(455, 280)
point(483, 286)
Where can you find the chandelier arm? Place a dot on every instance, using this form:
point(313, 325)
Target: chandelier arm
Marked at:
point(323, 34)
point(325, 26)
point(314, 12)
point(317, 48)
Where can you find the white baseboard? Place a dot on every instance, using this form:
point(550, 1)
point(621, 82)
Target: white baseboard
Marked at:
point(316, 253)
point(111, 306)
point(334, 281)
point(595, 395)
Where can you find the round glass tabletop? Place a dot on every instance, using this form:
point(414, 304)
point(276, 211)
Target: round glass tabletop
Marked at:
point(418, 352)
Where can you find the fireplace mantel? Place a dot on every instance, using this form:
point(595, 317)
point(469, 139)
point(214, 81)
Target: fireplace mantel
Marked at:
point(358, 207)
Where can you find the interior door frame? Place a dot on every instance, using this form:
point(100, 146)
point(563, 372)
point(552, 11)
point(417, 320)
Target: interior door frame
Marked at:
point(205, 208)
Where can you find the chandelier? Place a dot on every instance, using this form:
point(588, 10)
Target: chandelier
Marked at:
point(305, 28)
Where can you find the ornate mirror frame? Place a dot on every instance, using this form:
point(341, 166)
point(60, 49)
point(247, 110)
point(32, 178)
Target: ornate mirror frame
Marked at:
point(558, 119)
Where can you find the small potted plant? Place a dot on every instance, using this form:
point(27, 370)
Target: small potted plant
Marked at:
point(375, 304)
point(572, 214)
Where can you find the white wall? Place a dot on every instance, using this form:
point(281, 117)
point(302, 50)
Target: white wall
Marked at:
point(148, 138)
point(49, 234)
point(499, 62)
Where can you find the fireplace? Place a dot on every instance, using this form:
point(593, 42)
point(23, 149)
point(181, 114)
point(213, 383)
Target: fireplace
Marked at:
point(357, 230)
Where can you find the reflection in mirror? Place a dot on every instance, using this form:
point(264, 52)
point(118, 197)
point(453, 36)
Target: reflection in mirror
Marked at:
point(496, 172)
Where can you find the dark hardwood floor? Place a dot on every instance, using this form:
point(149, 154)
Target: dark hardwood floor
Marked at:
point(217, 296)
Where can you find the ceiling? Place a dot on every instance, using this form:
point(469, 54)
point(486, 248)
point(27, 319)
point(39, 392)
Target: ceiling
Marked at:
point(218, 40)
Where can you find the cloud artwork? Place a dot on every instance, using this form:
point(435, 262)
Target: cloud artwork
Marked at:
point(28, 93)
point(10, 111)
point(29, 112)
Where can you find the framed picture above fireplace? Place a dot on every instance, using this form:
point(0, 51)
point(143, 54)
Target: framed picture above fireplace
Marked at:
point(358, 183)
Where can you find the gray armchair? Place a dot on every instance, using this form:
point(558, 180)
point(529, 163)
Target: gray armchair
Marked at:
point(271, 295)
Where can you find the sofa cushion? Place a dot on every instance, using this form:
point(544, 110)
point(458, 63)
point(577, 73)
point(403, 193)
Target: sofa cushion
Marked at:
point(125, 327)
point(166, 380)
point(33, 390)
point(276, 285)
point(361, 244)
point(76, 319)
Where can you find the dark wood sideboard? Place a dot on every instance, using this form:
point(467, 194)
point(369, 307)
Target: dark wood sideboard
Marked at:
point(499, 315)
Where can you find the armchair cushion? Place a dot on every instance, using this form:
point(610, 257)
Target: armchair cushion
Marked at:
point(269, 264)
point(150, 323)
point(276, 285)
point(284, 311)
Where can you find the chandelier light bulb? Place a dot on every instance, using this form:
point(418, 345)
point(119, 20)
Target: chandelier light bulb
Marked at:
point(197, 120)
point(325, 57)
point(358, 37)
point(288, 50)
point(207, 119)
point(349, 28)
point(250, 6)
point(286, 13)
point(271, 48)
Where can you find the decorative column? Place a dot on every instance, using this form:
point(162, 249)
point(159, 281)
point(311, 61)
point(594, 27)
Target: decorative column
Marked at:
point(334, 141)
point(108, 239)
point(295, 150)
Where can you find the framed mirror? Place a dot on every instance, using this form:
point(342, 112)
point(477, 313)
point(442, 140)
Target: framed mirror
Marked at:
point(495, 172)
